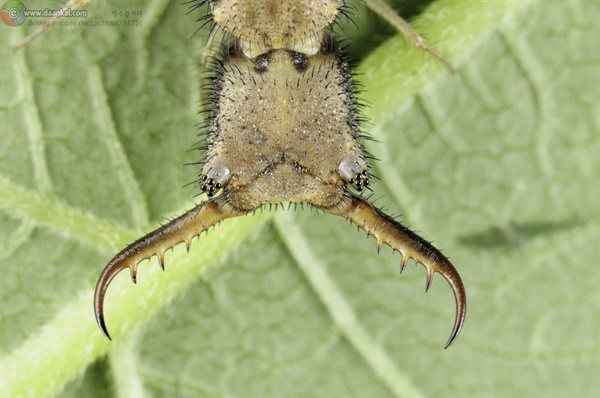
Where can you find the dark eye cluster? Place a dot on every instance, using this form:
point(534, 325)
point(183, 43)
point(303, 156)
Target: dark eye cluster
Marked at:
point(360, 181)
point(209, 186)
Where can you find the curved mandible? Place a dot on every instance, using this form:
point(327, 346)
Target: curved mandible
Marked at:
point(181, 230)
point(390, 232)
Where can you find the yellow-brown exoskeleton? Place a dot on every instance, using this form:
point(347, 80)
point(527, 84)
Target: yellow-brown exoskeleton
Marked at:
point(282, 127)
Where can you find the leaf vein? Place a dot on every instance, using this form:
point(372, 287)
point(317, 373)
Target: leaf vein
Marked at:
point(340, 311)
point(118, 158)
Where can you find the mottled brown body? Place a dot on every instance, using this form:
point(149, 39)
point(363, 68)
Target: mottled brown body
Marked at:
point(283, 128)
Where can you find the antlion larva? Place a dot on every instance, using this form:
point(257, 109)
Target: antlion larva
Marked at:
point(283, 126)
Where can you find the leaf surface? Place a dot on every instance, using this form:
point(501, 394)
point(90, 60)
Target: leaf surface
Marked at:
point(498, 163)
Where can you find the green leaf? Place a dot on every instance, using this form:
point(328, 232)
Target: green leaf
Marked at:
point(499, 163)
